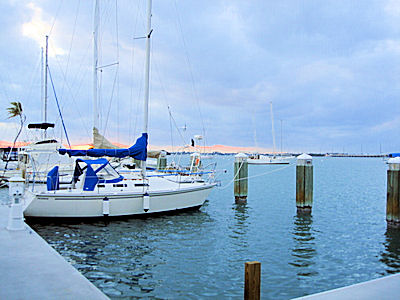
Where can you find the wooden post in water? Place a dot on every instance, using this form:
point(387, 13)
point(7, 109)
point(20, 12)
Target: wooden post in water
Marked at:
point(162, 161)
point(304, 184)
point(240, 182)
point(393, 193)
point(252, 280)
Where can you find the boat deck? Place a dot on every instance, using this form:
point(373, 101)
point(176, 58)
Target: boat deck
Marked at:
point(31, 269)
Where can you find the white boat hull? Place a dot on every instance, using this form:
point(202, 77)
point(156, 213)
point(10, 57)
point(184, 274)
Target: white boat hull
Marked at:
point(91, 204)
point(268, 161)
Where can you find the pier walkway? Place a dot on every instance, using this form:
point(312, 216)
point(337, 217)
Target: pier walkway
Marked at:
point(31, 269)
point(385, 288)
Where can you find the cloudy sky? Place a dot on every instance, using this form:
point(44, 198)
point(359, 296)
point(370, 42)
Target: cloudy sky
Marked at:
point(330, 68)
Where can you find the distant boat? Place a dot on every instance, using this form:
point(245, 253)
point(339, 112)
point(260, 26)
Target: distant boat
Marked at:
point(258, 159)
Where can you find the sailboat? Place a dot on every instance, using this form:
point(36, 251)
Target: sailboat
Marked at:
point(258, 159)
point(98, 190)
point(36, 159)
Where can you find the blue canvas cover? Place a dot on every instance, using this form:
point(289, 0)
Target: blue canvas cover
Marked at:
point(53, 182)
point(394, 154)
point(91, 178)
point(137, 151)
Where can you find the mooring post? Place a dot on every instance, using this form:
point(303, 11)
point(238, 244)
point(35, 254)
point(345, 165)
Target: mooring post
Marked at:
point(16, 192)
point(162, 161)
point(393, 193)
point(304, 183)
point(252, 280)
point(240, 182)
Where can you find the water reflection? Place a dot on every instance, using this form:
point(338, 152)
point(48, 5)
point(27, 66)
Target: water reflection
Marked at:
point(391, 255)
point(241, 224)
point(304, 251)
point(121, 258)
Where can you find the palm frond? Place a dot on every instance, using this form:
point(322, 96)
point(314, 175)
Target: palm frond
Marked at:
point(15, 109)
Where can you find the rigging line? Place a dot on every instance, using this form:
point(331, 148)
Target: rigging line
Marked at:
point(81, 65)
point(254, 176)
point(165, 100)
point(117, 37)
point(55, 17)
point(58, 106)
point(37, 67)
point(70, 45)
point(72, 95)
point(111, 100)
point(182, 137)
point(233, 179)
point(190, 71)
point(266, 173)
point(170, 129)
point(132, 69)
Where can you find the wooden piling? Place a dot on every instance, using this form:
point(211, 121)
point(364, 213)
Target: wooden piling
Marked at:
point(240, 183)
point(304, 184)
point(252, 281)
point(393, 193)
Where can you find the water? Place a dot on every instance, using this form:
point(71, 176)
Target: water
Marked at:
point(201, 254)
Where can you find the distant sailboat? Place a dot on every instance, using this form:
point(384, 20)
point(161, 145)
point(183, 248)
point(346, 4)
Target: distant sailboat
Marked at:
point(257, 159)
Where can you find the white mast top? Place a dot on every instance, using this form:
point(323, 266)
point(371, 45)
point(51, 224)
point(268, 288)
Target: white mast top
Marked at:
point(95, 63)
point(272, 124)
point(147, 71)
point(147, 81)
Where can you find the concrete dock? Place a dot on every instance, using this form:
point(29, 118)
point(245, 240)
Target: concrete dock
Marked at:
point(31, 269)
point(385, 288)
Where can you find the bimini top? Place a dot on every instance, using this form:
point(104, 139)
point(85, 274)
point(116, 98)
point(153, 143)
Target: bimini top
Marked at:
point(103, 173)
point(138, 150)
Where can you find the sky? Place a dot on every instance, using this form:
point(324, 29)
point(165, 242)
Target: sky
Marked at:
point(330, 68)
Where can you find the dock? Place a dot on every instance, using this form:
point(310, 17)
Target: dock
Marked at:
point(385, 288)
point(32, 269)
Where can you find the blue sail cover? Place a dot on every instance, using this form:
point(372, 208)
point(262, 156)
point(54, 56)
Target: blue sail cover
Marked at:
point(137, 151)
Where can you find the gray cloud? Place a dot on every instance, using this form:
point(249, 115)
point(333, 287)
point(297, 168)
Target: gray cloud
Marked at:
point(331, 69)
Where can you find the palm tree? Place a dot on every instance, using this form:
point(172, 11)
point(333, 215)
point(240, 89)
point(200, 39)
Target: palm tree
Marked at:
point(13, 111)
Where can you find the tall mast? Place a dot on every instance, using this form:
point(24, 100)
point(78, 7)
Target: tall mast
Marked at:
point(95, 63)
point(272, 124)
point(147, 70)
point(147, 79)
point(45, 84)
point(42, 86)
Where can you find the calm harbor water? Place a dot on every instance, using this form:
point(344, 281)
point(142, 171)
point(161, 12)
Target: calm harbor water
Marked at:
point(201, 254)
